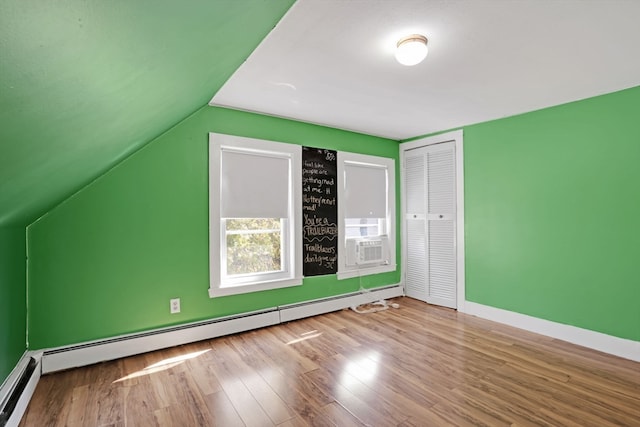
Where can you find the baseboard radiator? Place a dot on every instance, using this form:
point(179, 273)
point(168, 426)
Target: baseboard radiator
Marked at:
point(127, 345)
point(17, 390)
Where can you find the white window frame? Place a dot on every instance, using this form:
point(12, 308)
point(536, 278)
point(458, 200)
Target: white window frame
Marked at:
point(345, 271)
point(252, 278)
point(292, 232)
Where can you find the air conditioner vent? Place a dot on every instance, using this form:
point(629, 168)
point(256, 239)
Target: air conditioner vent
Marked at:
point(363, 251)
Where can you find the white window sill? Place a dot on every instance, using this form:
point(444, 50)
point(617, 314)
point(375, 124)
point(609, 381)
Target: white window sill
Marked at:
point(254, 287)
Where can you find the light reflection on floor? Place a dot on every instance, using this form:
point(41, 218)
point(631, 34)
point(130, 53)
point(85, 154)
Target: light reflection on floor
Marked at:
point(305, 336)
point(162, 365)
point(363, 369)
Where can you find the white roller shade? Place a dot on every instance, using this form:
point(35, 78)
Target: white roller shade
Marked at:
point(254, 185)
point(365, 191)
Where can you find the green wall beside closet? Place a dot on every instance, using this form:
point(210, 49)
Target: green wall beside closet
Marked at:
point(552, 213)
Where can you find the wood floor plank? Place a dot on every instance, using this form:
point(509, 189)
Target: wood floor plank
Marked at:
point(205, 378)
point(364, 384)
point(397, 391)
point(243, 401)
point(105, 404)
point(285, 355)
point(245, 404)
point(460, 415)
point(296, 390)
point(192, 399)
point(339, 416)
point(173, 415)
point(294, 422)
point(139, 406)
point(269, 400)
point(550, 396)
point(79, 398)
point(354, 404)
point(418, 365)
point(222, 410)
point(510, 409)
point(161, 387)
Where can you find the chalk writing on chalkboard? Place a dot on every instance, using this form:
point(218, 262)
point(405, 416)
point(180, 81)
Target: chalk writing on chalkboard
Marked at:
point(319, 211)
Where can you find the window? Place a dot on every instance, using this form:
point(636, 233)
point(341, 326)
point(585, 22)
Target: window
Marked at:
point(253, 245)
point(366, 213)
point(364, 227)
point(254, 219)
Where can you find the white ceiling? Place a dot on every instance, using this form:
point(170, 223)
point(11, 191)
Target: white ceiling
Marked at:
point(331, 61)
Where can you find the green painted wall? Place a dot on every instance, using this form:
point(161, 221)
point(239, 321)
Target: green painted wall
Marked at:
point(13, 298)
point(83, 84)
point(552, 212)
point(106, 261)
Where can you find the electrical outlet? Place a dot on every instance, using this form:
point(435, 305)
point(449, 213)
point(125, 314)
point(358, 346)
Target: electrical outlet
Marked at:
point(174, 305)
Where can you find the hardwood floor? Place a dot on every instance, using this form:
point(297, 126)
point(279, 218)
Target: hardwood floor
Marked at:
point(418, 365)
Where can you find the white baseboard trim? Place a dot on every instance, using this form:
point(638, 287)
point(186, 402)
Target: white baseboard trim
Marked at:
point(621, 347)
point(88, 353)
point(327, 305)
point(9, 389)
point(10, 382)
point(57, 359)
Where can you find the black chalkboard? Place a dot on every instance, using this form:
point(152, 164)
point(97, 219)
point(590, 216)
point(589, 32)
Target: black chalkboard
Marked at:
point(319, 212)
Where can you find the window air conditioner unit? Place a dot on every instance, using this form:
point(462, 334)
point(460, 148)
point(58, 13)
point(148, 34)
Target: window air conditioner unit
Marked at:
point(368, 250)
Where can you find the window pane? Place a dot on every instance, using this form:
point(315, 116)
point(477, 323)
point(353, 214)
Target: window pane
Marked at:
point(365, 191)
point(254, 184)
point(362, 227)
point(253, 224)
point(253, 245)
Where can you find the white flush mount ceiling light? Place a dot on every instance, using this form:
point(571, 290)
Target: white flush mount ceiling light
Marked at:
point(411, 50)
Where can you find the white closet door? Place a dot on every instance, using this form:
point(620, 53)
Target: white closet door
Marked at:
point(415, 226)
point(430, 191)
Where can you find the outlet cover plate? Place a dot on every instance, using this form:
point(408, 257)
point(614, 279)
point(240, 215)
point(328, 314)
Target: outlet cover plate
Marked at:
point(174, 305)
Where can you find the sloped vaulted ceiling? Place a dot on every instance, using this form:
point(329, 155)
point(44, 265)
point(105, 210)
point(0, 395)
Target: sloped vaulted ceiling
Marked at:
point(84, 83)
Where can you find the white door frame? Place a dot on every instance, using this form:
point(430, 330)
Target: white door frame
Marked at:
point(456, 137)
